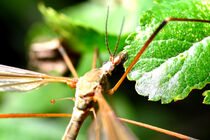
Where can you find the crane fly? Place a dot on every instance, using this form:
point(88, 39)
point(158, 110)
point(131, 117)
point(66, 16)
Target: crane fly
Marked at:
point(89, 91)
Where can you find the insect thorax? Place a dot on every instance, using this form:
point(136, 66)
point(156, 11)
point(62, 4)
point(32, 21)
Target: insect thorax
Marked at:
point(85, 88)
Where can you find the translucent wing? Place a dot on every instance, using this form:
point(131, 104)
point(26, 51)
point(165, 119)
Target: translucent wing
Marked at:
point(15, 79)
point(107, 126)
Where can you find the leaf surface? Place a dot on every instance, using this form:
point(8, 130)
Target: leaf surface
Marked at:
point(177, 60)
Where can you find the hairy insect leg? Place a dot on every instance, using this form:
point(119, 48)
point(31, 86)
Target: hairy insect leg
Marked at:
point(164, 22)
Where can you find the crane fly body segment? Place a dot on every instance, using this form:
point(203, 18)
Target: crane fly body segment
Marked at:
point(88, 89)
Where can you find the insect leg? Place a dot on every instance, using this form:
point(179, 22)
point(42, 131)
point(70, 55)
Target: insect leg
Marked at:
point(97, 129)
point(34, 115)
point(164, 22)
point(95, 55)
point(67, 61)
point(55, 43)
point(161, 130)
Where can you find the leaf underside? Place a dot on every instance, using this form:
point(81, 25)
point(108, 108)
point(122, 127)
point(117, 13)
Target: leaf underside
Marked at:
point(177, 60)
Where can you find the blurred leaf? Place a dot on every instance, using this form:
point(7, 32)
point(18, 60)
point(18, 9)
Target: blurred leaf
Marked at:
point(39, 32)
point(92, 14)
point(177, 59)
point(81, 38)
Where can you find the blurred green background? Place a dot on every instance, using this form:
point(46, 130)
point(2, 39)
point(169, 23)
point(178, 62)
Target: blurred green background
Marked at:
point(188, 116)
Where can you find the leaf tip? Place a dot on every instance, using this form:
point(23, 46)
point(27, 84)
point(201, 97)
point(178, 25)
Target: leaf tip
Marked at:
point(41, 6)
point(207, 97)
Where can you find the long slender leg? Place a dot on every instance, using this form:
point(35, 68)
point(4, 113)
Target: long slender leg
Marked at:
point(71, 82)
point(55, 43)
point(35, 115)
point(95, 58)
point(161, 130)
point(68, 61)
point(96, 126)
point(99, 59)
point(56, 100)
point(111, 91)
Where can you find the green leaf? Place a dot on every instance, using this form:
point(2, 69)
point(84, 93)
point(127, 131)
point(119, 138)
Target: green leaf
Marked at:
point(81, 36)
point(207, 97)
point(82, 26)
point(177, 59)
point(92, 14)
point(39, 32)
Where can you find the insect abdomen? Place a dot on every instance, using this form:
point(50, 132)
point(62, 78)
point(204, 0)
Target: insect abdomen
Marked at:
point(78, 116)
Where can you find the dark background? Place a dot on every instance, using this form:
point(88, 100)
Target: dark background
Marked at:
point(16, 17)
